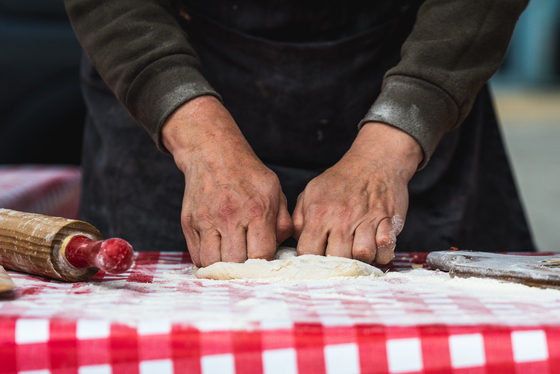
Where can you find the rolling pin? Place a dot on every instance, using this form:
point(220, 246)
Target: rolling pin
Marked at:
point(58, 248)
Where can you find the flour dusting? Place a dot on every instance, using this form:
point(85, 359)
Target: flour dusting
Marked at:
point(172, 293)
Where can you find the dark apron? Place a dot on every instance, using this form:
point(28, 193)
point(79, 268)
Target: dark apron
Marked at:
point(298, 105)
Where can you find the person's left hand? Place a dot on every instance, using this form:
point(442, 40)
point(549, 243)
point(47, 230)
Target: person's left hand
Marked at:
point(356, 208)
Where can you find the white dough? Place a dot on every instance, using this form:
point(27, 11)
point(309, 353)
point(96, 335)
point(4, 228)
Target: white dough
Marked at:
point(289, 266)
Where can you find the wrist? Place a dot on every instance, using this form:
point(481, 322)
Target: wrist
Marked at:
point(181, 131)
point(395, 147)
point(203, 129)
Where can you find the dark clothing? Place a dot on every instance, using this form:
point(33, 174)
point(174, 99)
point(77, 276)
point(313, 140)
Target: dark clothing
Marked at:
point(455, 47)
point(298, 104)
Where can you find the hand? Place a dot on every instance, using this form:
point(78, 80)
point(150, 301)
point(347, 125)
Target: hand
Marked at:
point(233, 205)
point(357, 208)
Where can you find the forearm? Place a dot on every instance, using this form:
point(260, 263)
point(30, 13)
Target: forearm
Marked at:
point(202, 125)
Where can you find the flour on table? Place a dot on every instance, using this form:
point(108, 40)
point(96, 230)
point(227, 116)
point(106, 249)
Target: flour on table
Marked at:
point(289, 266)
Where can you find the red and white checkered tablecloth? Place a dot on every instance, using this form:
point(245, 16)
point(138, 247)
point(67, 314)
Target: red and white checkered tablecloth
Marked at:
point(158, 318)
point(51, 190)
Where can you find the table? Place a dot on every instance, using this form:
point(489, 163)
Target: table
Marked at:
point(158, 318)
point(46, 189)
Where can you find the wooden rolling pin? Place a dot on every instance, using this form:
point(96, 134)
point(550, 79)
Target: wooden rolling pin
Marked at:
point(58, 248)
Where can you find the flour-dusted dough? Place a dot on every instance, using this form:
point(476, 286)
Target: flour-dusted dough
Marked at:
point(289, 266)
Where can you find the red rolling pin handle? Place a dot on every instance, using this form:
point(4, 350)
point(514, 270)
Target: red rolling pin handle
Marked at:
point(111, 255)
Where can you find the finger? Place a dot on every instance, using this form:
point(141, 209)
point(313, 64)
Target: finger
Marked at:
point(234, 245)
point(364, 247)
point(193, 245)
point(261, 239)
point(297, 217)
point(210, 248)
point(386, 240)
point(312, 241)
point(192, 238)
point(339, 244)
point(284, 223)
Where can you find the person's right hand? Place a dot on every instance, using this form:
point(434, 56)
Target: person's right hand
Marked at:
point(233, 206)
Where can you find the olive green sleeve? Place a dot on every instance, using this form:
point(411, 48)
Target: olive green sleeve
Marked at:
point(142, 54)
point(452, 51)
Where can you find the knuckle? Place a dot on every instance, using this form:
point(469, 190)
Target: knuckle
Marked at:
point(385, 241)
point(228, 209)
point(204, 221)
point(363, 253)
point(257, 208)
point(317, 210)
point(346, 214)
point(273, 179)
point(313, 183)
point(268, 184)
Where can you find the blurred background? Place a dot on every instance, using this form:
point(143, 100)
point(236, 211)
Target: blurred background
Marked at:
point(42, 113)
point(41, 109)
point(527, 97)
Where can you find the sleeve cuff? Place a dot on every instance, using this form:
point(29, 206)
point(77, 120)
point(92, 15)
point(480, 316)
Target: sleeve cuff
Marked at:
point(421, 109)
point(161, 88)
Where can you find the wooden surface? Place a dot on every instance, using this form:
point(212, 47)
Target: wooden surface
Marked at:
point(31, 243)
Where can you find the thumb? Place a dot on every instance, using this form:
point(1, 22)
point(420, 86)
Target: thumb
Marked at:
point(386, 238)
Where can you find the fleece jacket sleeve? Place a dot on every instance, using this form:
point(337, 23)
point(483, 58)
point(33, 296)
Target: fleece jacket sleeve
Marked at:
point(452, 51)
point(142, 54)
